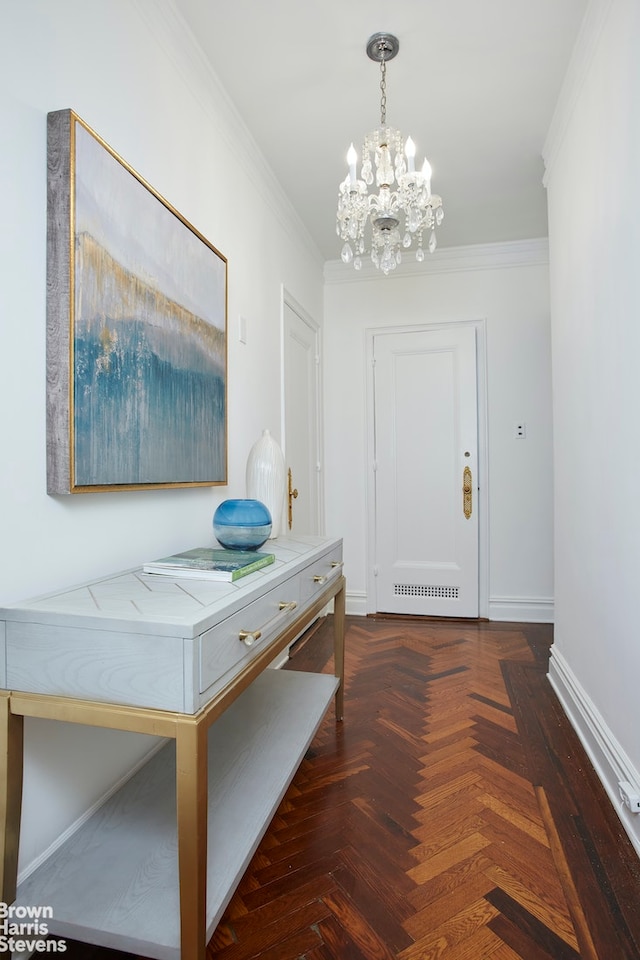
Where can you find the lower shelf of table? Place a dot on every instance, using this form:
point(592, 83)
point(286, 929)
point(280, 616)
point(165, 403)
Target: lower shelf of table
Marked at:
point(115, 881)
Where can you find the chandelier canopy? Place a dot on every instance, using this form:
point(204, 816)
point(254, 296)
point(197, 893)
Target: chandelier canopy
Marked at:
point(389, 220)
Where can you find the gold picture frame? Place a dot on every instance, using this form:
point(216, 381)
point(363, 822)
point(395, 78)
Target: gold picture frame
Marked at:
point(136, 328)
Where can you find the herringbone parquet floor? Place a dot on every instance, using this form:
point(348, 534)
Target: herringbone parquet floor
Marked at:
point(425, 826)
point(451, 816)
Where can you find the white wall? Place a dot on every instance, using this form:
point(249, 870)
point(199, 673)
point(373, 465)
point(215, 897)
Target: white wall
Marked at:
point(130, 70)
point(507, 287)
point(592, 158)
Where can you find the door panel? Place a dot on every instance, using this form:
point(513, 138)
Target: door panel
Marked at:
point(301, 404)
point(425, 435)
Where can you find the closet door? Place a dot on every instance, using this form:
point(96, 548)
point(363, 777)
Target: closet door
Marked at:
point(301, 427)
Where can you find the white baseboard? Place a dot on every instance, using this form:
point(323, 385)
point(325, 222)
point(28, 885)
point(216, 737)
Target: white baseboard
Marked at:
point(356, 603)
point(518, 609)
point(609, 760)
point(521, 609)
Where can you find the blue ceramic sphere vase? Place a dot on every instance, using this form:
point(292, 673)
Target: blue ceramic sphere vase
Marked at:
point(242, 524)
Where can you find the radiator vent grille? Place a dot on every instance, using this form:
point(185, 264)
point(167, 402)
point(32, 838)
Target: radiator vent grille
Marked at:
point(421, 590)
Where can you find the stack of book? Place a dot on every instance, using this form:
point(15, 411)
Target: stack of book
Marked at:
point(208, 563)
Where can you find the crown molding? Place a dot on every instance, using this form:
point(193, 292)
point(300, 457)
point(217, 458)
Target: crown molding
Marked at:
point(584, 51)
point(485, 256)
point(172, 33)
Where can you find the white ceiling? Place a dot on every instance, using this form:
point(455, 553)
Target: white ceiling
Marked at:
point(475, 84)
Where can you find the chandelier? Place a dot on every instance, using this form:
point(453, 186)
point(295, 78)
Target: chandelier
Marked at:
point(399, 218)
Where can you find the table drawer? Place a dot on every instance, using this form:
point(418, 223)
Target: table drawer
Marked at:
point(234, 641)
point(314, 578)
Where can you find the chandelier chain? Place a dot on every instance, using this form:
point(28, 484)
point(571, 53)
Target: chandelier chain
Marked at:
point(383, 92)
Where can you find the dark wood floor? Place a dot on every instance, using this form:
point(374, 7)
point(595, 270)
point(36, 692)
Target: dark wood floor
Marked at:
point(452, 815)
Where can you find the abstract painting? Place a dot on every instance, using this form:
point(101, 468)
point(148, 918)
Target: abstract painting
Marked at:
point(136, 328)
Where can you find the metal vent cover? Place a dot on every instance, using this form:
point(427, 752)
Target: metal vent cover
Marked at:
point(422, 590)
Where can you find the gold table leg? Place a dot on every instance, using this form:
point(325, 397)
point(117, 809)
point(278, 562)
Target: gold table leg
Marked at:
point(338, 647)
point(191, 798)
point(11, 762)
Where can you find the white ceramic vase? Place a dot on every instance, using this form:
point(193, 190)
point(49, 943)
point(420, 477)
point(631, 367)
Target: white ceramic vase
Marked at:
point(265, 478)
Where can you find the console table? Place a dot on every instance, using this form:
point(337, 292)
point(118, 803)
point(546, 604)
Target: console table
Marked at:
point(152, 871)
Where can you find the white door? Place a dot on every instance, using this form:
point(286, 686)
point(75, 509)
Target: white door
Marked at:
point(426, 503)
point(301, 424)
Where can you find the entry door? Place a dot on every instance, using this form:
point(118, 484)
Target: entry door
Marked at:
point(301, 428)
point(426, 504)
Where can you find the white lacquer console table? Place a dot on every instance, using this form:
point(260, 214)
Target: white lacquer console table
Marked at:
point(153, 869)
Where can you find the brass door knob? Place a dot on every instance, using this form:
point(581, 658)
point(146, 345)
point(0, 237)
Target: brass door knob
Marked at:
point(293, 495)
point(467, 492)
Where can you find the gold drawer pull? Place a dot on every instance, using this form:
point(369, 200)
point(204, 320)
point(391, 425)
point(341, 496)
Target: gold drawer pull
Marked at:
point(319, 578)
point(249, 637)
point(336, 563)
point(287, 606)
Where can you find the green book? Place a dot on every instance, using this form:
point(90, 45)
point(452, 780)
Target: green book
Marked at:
point(207, 563)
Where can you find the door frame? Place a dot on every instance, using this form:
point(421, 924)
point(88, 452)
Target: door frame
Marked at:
point(287, 300)
point(483, 447)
